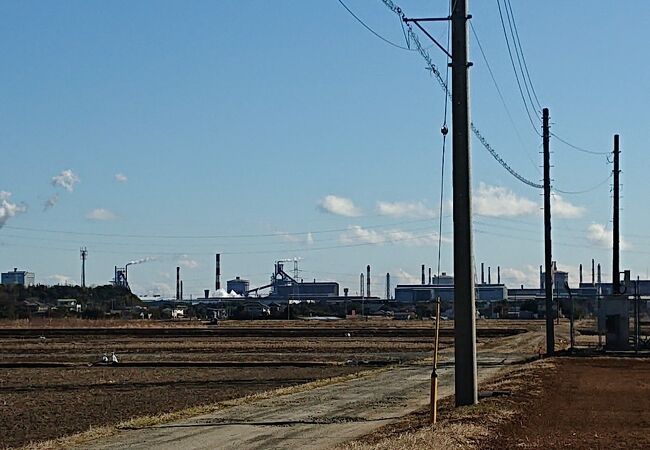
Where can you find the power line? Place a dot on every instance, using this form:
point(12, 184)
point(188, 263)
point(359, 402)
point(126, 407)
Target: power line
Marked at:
point(584, 191)
point(580, 149)
point(215, 236)
point(530, 81)
point(519, 52)
point(496, 85)
point(512, 62)
point(436, 73)
point(370, 29)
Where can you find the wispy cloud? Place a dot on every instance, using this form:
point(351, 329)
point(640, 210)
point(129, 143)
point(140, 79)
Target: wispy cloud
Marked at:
point(563, 209)
point(100, 214)
point(339, 206)
point(67, 180)
point(8, 209)
point(121, 178)
point(528, 276)
point(403, 277)
point(599, 235)
point(51, 202)
point(187, 262)
point(297, 238)
point(497, 201)
point(358, 235)
point(62, 280)
point(404, 209)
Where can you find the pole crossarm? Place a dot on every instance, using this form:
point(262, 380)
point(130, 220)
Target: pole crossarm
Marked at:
point(435, 41)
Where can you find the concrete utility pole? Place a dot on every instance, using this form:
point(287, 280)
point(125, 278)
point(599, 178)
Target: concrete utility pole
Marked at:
point(616, 256)
point(464, 295)
point(548, 254)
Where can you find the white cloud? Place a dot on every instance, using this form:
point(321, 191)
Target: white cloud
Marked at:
point(563, 209)
point(121, 178)
point(404, 209)
point(598, 235)
point(358, 235)
point(187, 262)
point(403, 277)
point(8, 209)
point(100, 214)
point(66, 179)
point(339, 206)
point(62, 280)
point(497, 201)
point(51, 202)
point(298, 238)
point(529, 276)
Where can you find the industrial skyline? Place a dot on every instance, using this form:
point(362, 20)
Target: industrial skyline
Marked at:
point(114, 191)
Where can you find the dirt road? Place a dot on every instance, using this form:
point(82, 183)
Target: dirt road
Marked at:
point(325, 416)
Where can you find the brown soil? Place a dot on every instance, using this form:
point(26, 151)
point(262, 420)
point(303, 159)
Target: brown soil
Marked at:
point(39, 404)
point(582, 403)
point(586, 403)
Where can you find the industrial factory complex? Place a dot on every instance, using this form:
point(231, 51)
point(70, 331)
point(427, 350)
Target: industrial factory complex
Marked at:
point(493, 300)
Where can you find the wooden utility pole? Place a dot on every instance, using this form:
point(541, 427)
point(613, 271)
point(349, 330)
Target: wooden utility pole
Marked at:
point(616, 256)
point(548, 254)
point(464, 294)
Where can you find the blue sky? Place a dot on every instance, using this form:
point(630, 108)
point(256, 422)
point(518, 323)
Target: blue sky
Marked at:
point(231, 122)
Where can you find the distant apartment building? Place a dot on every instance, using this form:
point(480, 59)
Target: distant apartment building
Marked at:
point(20, 277)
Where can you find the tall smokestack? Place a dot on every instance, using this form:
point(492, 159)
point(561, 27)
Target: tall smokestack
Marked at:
point(541, 277)
point(178, 283)
point(181, 289)
point(429, 275)
point(217, 273)
point(600, 279)
point(593, 272)
point(482, 273)
point(387, 285)
point(368, 281)
point(489, 275)
point(580, 273)
point(498, 274)
point(361, 287)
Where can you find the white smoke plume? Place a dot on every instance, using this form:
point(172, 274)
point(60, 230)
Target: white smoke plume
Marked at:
point(141, 261)
point(222, 293)
point(8, 209)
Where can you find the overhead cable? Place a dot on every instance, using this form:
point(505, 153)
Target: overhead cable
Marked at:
point(436, 73)
point(370, 29)
point(514, 68)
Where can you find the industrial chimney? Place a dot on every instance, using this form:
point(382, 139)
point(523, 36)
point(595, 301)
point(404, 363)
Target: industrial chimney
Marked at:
point(387, 285)
point(580, 273)
point(498, 274)
point(482, 273)
point(489, 275)
point(361, 285)
point(217, 273)
point(368, 281)
point(593, 272)
point(178, 283)
point(181, 289)
point(429, 275)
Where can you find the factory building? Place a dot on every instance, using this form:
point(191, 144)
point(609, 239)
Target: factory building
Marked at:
point(238, 285)
point(18, 277)
point(416, 293)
